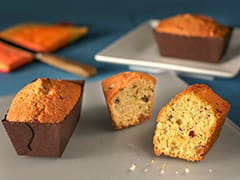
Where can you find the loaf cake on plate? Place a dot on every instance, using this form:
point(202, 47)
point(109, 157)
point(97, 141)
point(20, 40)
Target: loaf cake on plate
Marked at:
point(129, 98)
point(43, 115)
point(192, 36)
point(190, 123)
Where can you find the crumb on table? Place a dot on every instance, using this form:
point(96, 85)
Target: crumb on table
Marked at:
point(164, 165)
point(145, 170)
point(133, 167)
point(187, 170)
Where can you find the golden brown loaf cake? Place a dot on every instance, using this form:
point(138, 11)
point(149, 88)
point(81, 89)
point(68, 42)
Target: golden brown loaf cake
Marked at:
point(190, 123)
point(192, 25)
point(44, 101)
point(129, 97)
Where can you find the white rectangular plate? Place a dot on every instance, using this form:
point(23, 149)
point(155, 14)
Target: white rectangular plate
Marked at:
point(138, 48)
point(96, 151)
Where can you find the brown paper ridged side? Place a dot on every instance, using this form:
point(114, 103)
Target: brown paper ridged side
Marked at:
point(192, 48)
point(44, 139)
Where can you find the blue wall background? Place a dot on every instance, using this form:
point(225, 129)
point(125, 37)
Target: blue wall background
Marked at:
point(224, 11)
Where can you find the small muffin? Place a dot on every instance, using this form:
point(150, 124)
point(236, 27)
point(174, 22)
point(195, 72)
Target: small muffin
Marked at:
point(43, 115)
point(129, 98)
point(190, 123)
point(43, 37)
point(189, 36)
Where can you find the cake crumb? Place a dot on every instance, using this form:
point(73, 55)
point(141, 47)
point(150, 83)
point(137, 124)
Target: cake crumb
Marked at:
point(162, 171)
point(164, 165)
point(210, 170)
point(133, 167)
point(187, 170)
point(145, 170)
point(152, 161)
point(131, 145)
point(176, 172)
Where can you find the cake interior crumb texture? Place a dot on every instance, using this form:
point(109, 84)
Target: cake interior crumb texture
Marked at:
point(130, 98)
point(44, 101)
point(133, 104)
point(188, 126)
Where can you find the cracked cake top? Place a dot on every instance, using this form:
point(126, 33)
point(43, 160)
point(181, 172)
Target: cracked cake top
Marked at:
point(44, 101)
point(192, 25)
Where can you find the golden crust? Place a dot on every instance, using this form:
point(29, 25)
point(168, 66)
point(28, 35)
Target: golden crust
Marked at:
point(44, 101)
point(113, 84)
point(219, 106)
point(192, 26)
point(117, 82)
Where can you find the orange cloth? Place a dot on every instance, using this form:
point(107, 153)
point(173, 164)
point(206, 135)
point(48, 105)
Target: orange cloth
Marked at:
point(37, 37)
point(11, 58)
point(42, 38)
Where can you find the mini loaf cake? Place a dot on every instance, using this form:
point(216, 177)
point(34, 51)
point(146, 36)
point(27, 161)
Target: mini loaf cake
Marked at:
point(190, 123)
point(129, 97)
point(191, 36)
point(43, 115)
